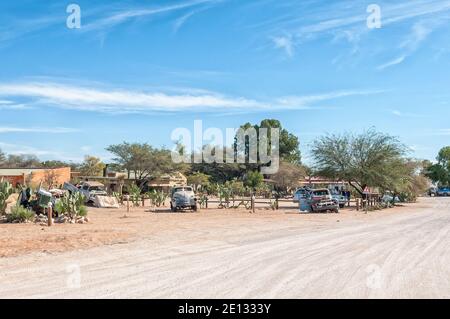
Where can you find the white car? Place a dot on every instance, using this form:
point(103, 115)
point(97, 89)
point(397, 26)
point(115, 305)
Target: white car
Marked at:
point(183, 197)
point(92, 189)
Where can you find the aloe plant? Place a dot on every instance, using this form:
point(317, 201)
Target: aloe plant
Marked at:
point(6, 190)
point(135, 194)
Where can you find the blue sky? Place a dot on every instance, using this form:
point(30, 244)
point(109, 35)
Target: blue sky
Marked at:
point(136, 70)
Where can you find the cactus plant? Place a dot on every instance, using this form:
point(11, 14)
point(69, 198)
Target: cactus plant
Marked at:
point(71, 205)
point(6, 190)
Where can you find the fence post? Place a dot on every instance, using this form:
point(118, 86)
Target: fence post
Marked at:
point(50, 215)
point(357, 204)
point(253, 203)
point(143, 200)
point(276, 203)
point(128, 203)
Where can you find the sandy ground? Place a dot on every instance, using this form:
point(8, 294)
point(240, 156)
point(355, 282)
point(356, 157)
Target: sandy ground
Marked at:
point(396, 253)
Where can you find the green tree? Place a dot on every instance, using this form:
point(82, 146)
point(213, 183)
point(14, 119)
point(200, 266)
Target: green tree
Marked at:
point(369, 159)
point(288, 143)
point(198, 179)
point(144, 161)
point(92, 166)
point(253, 179)
point(440, 172)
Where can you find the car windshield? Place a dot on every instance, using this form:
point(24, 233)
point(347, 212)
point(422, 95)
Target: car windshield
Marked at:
point(180, 189)
point(96, 188)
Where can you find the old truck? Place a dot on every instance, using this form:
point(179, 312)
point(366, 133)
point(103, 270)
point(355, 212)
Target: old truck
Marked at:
point(182, 198)
point(322, 201)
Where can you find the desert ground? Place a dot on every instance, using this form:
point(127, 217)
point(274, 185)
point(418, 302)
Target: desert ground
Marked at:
point(401, 252)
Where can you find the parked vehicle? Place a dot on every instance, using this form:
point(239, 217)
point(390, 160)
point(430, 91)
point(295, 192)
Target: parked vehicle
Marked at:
point(443, 191)
point(92, 189)
point(301, 193)
point(432, 192)
point(341, 199)
point(183, 197)
point(388, 198)
point(321, 200)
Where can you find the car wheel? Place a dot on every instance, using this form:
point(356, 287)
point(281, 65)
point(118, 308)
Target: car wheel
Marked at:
point(336, 211)
point(195, 208)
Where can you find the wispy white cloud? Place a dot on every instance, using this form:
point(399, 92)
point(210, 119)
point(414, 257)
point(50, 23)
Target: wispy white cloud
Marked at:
point(125, 15)
point(54, 130)
point(347, 20)
point(112, 100)
point(284, 43)
point(405, 114)
point(391, 63)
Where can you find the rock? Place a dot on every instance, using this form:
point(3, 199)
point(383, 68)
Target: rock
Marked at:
point(80, 221)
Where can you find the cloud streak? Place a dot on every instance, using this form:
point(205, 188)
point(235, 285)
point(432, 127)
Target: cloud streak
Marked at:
point(133, 101)
point(55, 130)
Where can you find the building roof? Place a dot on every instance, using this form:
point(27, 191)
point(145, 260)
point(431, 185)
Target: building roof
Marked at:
point(21, 171)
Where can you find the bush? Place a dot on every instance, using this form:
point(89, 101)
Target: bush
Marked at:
point(71, 205)
point(20, 214)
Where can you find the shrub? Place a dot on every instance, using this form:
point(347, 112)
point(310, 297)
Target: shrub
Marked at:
point(20, 214)
point(71, 205)
point(158, 198)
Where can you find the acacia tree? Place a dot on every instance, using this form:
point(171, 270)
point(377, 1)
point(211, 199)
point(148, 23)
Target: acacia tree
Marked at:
point(369, 159)
point(144, 161)
point(92, 166)
point(288, 175)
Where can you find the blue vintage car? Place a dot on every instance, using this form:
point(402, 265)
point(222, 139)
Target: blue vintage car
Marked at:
point(443, 191)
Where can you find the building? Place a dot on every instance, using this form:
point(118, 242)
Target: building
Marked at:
point(113, 181)
point(34, 176)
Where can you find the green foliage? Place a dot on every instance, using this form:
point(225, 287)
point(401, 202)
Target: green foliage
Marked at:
point(71, 205)
point(142, 160)
point(134, 192)
point(254, 179)
point(198, 179)
point(158, 198)
point(6, 190)
point(368, 159)
point(440, 172)
point(92, 166)
point(20, 214)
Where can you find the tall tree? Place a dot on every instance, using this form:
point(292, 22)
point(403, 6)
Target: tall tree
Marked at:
point(440, 172)
point(288, 175)
point(144, 161)
point(2, 157)
point(288, 143)
point(369, 159)
point(92, 166)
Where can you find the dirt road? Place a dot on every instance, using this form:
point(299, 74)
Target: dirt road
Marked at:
point(405, 253)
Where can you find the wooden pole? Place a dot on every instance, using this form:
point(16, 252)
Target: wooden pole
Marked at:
point(50, 215)
point(253, 203)
point(128, 203)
